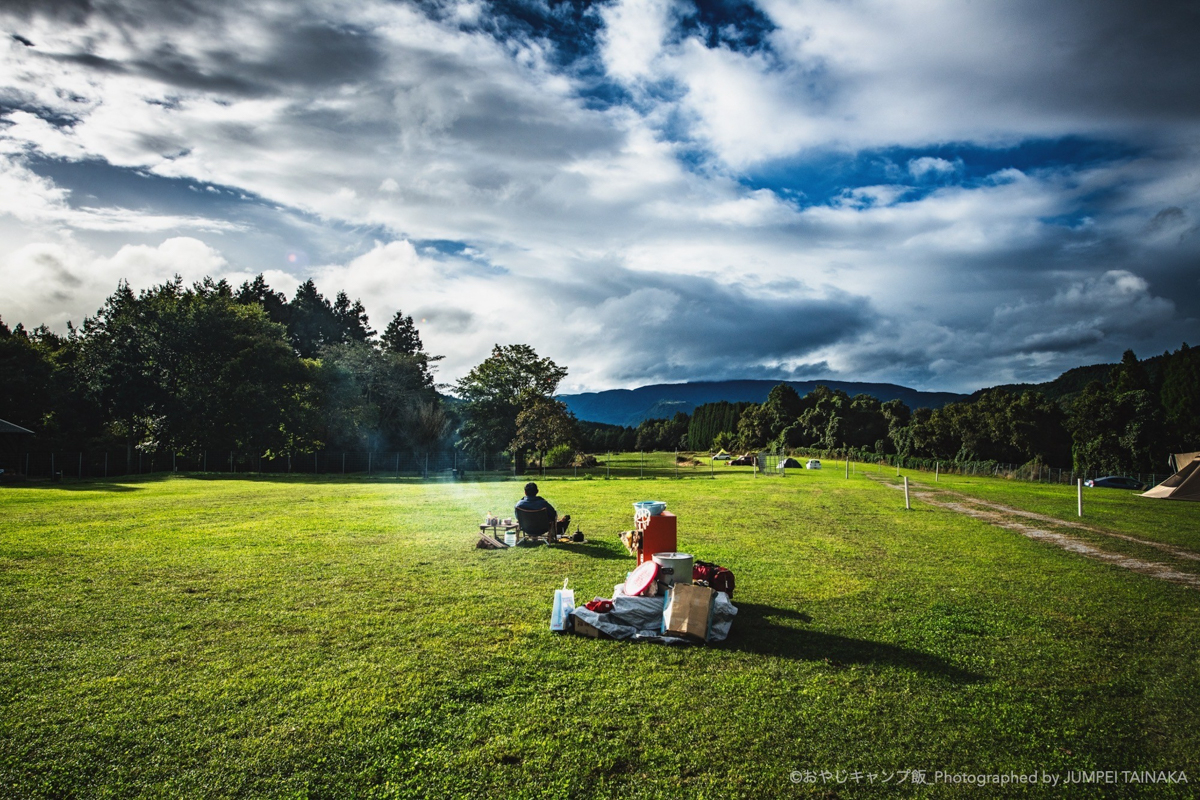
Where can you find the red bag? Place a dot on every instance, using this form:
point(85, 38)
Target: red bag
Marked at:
point(718, 577)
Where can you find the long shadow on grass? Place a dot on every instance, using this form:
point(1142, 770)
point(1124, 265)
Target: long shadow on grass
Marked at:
point(71, 485)
point(595, 550)
point(756, 630)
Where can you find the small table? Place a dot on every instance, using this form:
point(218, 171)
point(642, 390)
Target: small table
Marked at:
point(496, 529)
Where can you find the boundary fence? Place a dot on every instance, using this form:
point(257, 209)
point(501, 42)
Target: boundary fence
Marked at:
point(59, 464)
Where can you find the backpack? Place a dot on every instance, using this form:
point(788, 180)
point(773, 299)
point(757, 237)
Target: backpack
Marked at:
point(713, 575)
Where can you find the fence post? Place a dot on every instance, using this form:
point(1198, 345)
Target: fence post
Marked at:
point(847, 467)
point(1079, 495)
point(907, 504)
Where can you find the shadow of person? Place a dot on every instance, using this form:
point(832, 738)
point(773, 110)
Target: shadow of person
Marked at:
point(758, 629)
point(595, 549)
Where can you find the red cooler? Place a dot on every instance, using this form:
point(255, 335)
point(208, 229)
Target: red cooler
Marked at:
point(658, 535)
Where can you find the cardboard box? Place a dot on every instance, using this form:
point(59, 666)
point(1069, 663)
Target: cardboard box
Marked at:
point(586, 629)
point(688, 611)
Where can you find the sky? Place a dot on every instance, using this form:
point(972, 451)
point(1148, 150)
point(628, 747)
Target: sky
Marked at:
point(945, 195)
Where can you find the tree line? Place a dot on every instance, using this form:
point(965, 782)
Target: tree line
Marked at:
point(179, 368)
point(1127, 421)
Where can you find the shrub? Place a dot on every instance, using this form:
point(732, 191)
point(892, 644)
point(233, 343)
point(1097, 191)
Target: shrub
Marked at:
point(560, 456)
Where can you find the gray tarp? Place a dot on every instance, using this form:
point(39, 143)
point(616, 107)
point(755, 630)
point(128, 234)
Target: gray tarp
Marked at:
point(640, 618)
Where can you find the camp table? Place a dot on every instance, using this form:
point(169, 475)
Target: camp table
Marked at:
point(496, 528)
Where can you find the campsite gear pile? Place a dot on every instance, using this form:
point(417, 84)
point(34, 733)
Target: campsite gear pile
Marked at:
point(670, 597)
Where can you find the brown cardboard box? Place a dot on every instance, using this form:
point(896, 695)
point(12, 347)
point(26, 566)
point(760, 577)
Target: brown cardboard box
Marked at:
point(585, 629)
point(688, 611)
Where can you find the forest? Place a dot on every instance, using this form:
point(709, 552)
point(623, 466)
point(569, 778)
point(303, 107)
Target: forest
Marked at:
point(178, 368)
point(1126, 417)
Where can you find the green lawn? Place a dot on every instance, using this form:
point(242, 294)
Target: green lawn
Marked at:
point(295, 637)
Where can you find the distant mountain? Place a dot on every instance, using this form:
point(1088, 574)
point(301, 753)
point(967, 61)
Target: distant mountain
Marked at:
point(631, 406)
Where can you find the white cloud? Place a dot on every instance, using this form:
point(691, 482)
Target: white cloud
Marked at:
point(633, 36)
point(52, 282)
point(920, 167)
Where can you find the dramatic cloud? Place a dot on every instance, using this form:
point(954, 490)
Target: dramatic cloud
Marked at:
point(944, 194)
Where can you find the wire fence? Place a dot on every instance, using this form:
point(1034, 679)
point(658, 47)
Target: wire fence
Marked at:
point(456, 464)
point(61, 465)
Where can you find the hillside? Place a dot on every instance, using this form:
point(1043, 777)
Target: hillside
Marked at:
point(631, 406)
point(1074, 380)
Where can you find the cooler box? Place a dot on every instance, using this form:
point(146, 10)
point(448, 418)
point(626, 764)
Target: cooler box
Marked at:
point(658, 535)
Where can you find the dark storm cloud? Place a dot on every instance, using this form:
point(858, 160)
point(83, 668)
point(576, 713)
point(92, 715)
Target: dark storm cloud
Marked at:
point(681, 327)
point(302, 53)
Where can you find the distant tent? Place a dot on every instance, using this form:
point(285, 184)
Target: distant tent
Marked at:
point(8, 427)
point(789, 463)
point(1184, 484)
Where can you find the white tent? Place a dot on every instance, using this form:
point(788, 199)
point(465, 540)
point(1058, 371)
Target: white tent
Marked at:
point(1184, 484)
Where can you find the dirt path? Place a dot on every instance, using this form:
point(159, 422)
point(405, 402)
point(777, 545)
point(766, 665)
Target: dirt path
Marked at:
point(1014, 519)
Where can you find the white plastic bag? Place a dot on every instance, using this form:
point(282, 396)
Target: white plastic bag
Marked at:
point(564, 604)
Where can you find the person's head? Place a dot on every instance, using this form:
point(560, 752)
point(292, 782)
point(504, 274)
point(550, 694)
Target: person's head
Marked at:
point(531, 489)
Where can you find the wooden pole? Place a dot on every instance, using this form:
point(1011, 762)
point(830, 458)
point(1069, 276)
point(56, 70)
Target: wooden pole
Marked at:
point(937, 467)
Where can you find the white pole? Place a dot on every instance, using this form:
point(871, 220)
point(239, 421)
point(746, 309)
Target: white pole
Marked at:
point(847, 467)
point(1079, 495)
point(937, 468)
point(907, 504)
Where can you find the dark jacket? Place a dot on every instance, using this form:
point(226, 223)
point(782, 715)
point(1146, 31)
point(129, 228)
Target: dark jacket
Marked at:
point(537, 504)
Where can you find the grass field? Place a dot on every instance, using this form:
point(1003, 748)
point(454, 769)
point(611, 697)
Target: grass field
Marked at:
point(276, 637)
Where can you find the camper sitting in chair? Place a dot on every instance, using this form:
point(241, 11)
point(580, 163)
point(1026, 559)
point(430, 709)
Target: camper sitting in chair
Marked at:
point(537, 517)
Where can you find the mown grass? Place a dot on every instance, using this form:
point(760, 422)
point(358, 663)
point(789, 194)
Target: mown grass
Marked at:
point(333, 638)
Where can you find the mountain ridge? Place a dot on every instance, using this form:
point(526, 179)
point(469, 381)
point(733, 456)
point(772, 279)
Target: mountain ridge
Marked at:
point(631, 406)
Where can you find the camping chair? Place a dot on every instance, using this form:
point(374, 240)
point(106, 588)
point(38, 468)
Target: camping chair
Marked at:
point(535, 524)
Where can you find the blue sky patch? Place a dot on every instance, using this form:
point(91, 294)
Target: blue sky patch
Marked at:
point(817, 180)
